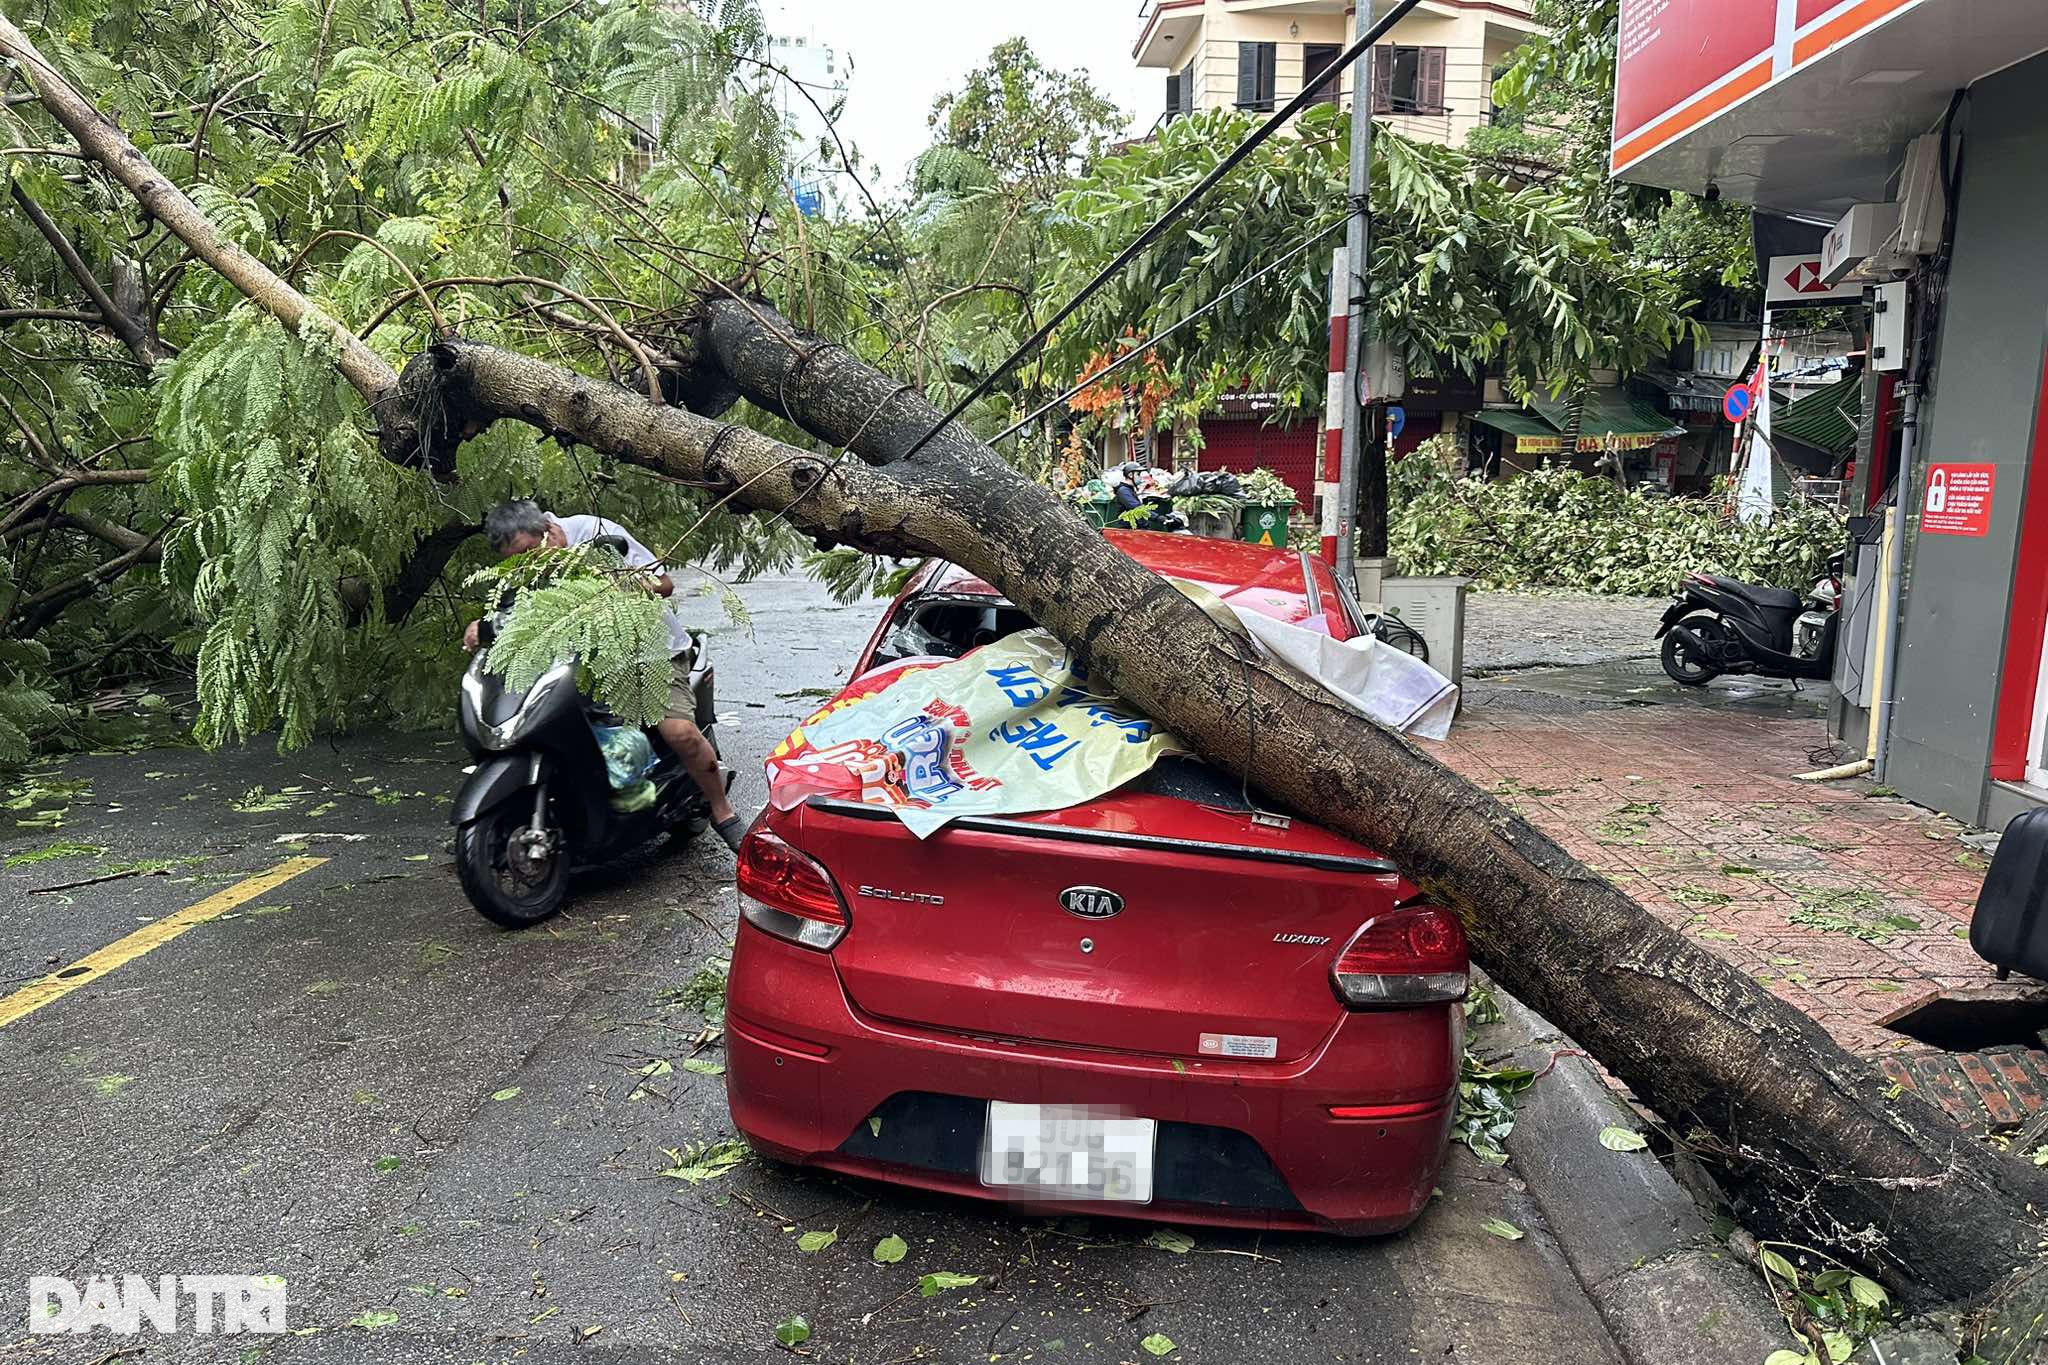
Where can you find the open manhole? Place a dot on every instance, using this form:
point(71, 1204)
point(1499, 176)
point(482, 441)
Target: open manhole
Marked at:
point(1987, 1062)
point(1973, 1020)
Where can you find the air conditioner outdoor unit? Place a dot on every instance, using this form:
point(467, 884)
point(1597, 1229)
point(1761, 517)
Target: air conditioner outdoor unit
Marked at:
point(1923, 211)
point(1865, 231)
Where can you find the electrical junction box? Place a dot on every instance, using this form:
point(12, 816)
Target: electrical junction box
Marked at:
point(1888, 327)
point(1864, 231)
point(1382, 373)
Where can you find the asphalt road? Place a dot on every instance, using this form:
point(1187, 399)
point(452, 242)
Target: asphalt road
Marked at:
point(454, 1135)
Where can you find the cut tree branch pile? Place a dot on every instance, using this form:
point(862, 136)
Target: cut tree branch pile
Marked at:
point(1810, 1139)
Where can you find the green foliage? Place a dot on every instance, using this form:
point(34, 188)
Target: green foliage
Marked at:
point(26, 708)
point(1023, 120)
point(850, 575)
point(281, 497)
point(582, 602)
point(1555, 99)
point(1811, 1287)
point(1557, 528)
point(624, 149)
point(1468, 268)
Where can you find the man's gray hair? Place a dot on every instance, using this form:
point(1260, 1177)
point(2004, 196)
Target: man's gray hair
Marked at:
point(520, 517)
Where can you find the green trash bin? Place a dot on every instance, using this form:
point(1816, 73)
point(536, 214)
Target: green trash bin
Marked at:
point(1098, 512)
point(1265, 523)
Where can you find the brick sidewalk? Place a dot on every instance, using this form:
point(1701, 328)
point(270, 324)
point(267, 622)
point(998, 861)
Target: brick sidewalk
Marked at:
point(1846, 903)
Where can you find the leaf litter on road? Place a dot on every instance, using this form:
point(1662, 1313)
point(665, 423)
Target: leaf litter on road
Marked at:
point(706, 1161)
point(1616, 1138)
point(1158, 1344)
point(1171, 1239)
point(1503, 1229)
point(817, 1241)
point(890, 1250)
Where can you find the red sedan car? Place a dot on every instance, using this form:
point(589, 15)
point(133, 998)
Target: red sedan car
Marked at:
point(1165, 1003)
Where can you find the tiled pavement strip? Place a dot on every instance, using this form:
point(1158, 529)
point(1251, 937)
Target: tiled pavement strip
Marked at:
point(1844, 901)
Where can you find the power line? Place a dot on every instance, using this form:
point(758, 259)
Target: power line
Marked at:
point(1150, 342)
point(1273, 124)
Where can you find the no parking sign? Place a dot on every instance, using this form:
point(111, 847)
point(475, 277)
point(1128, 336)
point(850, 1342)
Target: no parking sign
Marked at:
point(1740, 400)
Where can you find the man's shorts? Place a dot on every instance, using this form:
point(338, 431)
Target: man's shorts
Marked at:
point(682, 702)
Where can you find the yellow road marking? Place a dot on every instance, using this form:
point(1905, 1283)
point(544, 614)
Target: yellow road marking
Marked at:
point(93, 966)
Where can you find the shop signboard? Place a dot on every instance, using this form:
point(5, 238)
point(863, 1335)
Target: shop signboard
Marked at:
point(1680, 63)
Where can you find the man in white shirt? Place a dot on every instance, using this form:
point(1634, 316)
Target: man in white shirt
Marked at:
point(516, 527)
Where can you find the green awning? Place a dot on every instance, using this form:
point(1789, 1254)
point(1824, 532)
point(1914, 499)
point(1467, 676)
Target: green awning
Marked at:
point(1609, 418)
point(1514, 423)
point(1612, 417)
point(1826, 420)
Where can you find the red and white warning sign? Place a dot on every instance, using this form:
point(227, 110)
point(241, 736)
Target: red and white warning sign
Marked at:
point(1958, 499)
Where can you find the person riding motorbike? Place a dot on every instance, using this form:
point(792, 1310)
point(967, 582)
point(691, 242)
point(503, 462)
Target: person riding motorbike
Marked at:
point(515, 527)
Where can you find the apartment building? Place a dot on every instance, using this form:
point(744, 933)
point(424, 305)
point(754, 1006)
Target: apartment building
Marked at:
point(1432, 77)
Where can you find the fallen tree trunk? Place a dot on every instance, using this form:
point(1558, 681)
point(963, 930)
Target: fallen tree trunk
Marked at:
point(1811, 1139)
point(1808, 1135)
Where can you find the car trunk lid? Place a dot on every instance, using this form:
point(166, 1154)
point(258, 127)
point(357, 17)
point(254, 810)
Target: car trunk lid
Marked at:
point(1141, 922)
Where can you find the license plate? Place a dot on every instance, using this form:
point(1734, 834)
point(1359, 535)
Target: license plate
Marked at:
point(1062, 1151)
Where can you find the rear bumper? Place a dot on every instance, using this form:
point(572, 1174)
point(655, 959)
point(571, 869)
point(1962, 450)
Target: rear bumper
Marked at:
point(1240, 1144)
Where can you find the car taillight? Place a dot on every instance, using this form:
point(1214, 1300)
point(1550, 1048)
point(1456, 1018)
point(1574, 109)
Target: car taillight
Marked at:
point(787, 893)
point(1404, 957)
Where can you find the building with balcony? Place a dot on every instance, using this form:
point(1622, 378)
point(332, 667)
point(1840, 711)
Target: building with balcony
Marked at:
point(1432, 79)
point(1908, 136)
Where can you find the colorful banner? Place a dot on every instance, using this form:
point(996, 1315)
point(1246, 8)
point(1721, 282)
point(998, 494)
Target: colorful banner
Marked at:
point(1010, 728)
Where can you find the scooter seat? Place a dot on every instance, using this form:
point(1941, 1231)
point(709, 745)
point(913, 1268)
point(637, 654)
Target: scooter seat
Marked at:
point(1770, 599)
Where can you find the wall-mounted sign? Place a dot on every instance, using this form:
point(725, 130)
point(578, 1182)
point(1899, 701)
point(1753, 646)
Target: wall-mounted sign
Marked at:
point(1958, 499)
point(1792, 280)
point(1682, 63)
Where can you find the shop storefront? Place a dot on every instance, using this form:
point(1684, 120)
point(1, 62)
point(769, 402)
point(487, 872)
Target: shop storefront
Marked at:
point(1913, 132)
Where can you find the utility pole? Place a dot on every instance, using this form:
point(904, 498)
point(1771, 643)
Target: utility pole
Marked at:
point(1357, 268)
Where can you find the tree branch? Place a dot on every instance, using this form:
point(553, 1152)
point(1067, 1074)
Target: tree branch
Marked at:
point(32, 614)
point(107, 144)
point(135, 333)
point(32, 501)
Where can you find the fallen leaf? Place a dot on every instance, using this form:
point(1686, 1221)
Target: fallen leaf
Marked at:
point(874, 1125)
point(1503, 1229)
point(890, 1250)
point(793, 1331)
point(939, 1281)
point(1615, 1138)
point(817, 1241)
point(1171, 1239)
point(507, 1093)
point(702, 1067)
point(1158, 1344)
point(375, 1317)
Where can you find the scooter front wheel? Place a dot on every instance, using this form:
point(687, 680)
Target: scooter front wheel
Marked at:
point(1682, 662)
point(514, 876)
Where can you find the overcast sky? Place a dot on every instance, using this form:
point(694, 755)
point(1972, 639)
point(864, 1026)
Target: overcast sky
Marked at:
point(906, 53)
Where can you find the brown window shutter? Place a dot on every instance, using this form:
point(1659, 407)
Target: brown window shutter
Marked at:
point(1429, 93)
point(1383, 80)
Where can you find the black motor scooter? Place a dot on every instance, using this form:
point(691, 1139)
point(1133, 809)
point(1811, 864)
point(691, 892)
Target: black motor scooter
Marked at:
point(1719, 625)
point(539, 798)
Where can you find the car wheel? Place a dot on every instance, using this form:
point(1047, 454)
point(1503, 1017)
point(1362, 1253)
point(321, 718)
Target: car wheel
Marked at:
point(1683, 663)
point(513, 875)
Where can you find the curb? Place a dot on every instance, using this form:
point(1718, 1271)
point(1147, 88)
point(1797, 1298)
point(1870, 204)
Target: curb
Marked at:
point(1664, 1287)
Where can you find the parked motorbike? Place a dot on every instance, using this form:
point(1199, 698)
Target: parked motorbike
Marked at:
point(539, 799)
point(1719, 625)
